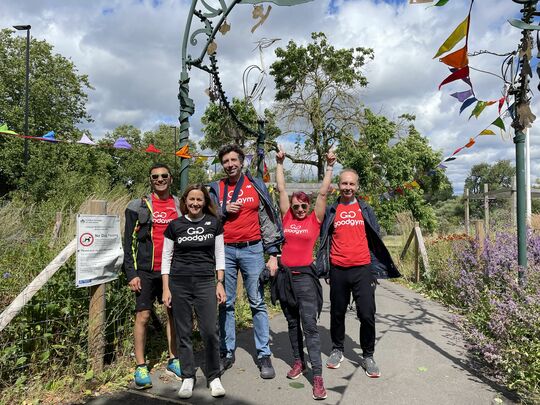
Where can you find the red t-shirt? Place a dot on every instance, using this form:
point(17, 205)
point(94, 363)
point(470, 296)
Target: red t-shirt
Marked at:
point(244, 225)
point(349, 243)
point(300, 238)
point(164, 211)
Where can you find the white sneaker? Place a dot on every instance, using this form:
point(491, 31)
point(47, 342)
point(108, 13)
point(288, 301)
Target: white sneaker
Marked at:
point(216, 389)
point(186, 390)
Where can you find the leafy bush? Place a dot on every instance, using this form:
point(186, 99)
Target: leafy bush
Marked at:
point(499, 317)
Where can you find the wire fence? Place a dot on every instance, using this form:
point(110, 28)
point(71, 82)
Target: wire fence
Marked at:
point(48, 338)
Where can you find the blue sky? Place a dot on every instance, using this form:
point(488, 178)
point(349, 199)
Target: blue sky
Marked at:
point(130, 49)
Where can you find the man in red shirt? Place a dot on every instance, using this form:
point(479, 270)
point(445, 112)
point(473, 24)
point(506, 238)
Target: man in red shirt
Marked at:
point(146, 221)
point(251, 227)
point(351, 253)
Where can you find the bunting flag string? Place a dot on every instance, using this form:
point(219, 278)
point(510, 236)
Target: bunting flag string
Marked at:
point(120, 143)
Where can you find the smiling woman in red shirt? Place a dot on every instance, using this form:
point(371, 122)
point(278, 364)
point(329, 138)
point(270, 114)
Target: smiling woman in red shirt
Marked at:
point(301, 228)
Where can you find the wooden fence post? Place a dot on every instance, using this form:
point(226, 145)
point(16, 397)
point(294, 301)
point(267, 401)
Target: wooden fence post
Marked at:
point(486, 208)
point(96, 311)
point(466, 196)
point(416, 258)
point(480, 235)
point(513, 202)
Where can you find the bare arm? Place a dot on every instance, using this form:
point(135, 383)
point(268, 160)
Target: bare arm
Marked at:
point(320, 203)
point(280, 180)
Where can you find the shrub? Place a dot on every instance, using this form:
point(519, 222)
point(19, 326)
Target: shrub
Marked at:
point(499, 317)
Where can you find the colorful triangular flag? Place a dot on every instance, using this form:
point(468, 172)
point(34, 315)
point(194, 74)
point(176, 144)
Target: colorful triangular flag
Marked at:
point(499, 123)
point(183, 152)
point(152, 149)
point(457, 59)
point(466, 104)
point(470, 143)
point(457, 35)
point(5, 130)
point(49, 137)
point(456, 75)
point(487, 132)
point(462, 95)
point(85, 140)
point(121, 143)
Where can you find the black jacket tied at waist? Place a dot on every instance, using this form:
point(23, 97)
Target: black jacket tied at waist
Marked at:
point(282, 289)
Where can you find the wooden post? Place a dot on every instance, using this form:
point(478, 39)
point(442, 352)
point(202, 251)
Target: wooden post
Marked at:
point(416, 256)
point(96, 312)
point(486, 208)
point(513, 202)
point(466, 197)
point(480, 236)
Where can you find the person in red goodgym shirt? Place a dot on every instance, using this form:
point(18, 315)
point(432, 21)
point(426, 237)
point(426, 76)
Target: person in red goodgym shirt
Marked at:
point(251, 227)
point(146, 221)
point(301, 229)
point(352, 254)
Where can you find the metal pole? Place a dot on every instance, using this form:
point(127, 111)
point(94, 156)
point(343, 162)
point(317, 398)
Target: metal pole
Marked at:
point(260, 147)
point(522, 119)
point(26, 96)
point(528, 175)
point(521, 197)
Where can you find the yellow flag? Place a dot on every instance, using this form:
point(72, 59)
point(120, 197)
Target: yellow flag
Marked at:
point(415, 184)
point(456, 36)
point(487, 132)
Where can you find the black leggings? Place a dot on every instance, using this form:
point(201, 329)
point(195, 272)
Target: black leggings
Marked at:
point(198, 293)
point(361, 283)
point(306, 314)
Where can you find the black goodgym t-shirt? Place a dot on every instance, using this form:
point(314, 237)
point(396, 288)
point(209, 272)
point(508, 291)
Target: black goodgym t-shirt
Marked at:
point(194, 245)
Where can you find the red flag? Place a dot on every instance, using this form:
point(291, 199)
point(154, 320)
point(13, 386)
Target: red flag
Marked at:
point(152, 149)
point(457, 150)
point(458, 74)
point(501, 102)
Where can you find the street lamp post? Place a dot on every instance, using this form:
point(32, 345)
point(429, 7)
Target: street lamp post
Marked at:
point(27, 88)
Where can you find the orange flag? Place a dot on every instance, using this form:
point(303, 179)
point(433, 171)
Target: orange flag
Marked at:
point(183, 152)
point(470, 143)
point(457, 59)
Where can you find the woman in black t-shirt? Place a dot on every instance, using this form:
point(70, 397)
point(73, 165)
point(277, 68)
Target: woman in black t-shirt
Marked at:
point(193, 259)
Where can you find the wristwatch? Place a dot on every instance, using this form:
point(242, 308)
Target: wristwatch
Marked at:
point(220, 281)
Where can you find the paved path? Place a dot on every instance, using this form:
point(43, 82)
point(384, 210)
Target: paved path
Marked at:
point(421, 356)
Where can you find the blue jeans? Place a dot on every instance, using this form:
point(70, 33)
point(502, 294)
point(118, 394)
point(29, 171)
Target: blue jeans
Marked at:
point(250, 261)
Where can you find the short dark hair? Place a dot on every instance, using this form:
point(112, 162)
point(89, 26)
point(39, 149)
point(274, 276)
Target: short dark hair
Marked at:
point(231, 148)
point(160, 166)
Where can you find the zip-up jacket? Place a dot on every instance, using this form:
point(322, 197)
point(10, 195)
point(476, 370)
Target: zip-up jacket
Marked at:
point(138, 243)
point(382, 264)
point(269, 220)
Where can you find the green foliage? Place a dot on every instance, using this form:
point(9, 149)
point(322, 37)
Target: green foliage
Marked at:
point(497, 176)
point(220, 129)
point(315, 88)
point(57, 98)
point(386, 160)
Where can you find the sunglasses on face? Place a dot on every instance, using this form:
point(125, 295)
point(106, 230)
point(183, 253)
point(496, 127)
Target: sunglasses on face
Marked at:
point(164, 176)
point(297, 206)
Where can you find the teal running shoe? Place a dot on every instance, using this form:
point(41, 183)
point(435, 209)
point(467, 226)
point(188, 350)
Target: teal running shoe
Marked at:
point(142, 378)
point(173, 369)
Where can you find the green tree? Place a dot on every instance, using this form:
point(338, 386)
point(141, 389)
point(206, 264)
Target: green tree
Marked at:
point(219, 128)
point(496, 176)
point(57, 99)
point(129, 168)
point(316, 91)
point(388, 158)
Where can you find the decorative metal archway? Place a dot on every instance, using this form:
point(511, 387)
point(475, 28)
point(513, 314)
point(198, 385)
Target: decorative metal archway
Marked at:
point(213, 20)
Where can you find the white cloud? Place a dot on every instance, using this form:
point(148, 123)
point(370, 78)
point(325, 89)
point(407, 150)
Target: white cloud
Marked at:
point(130, 50)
